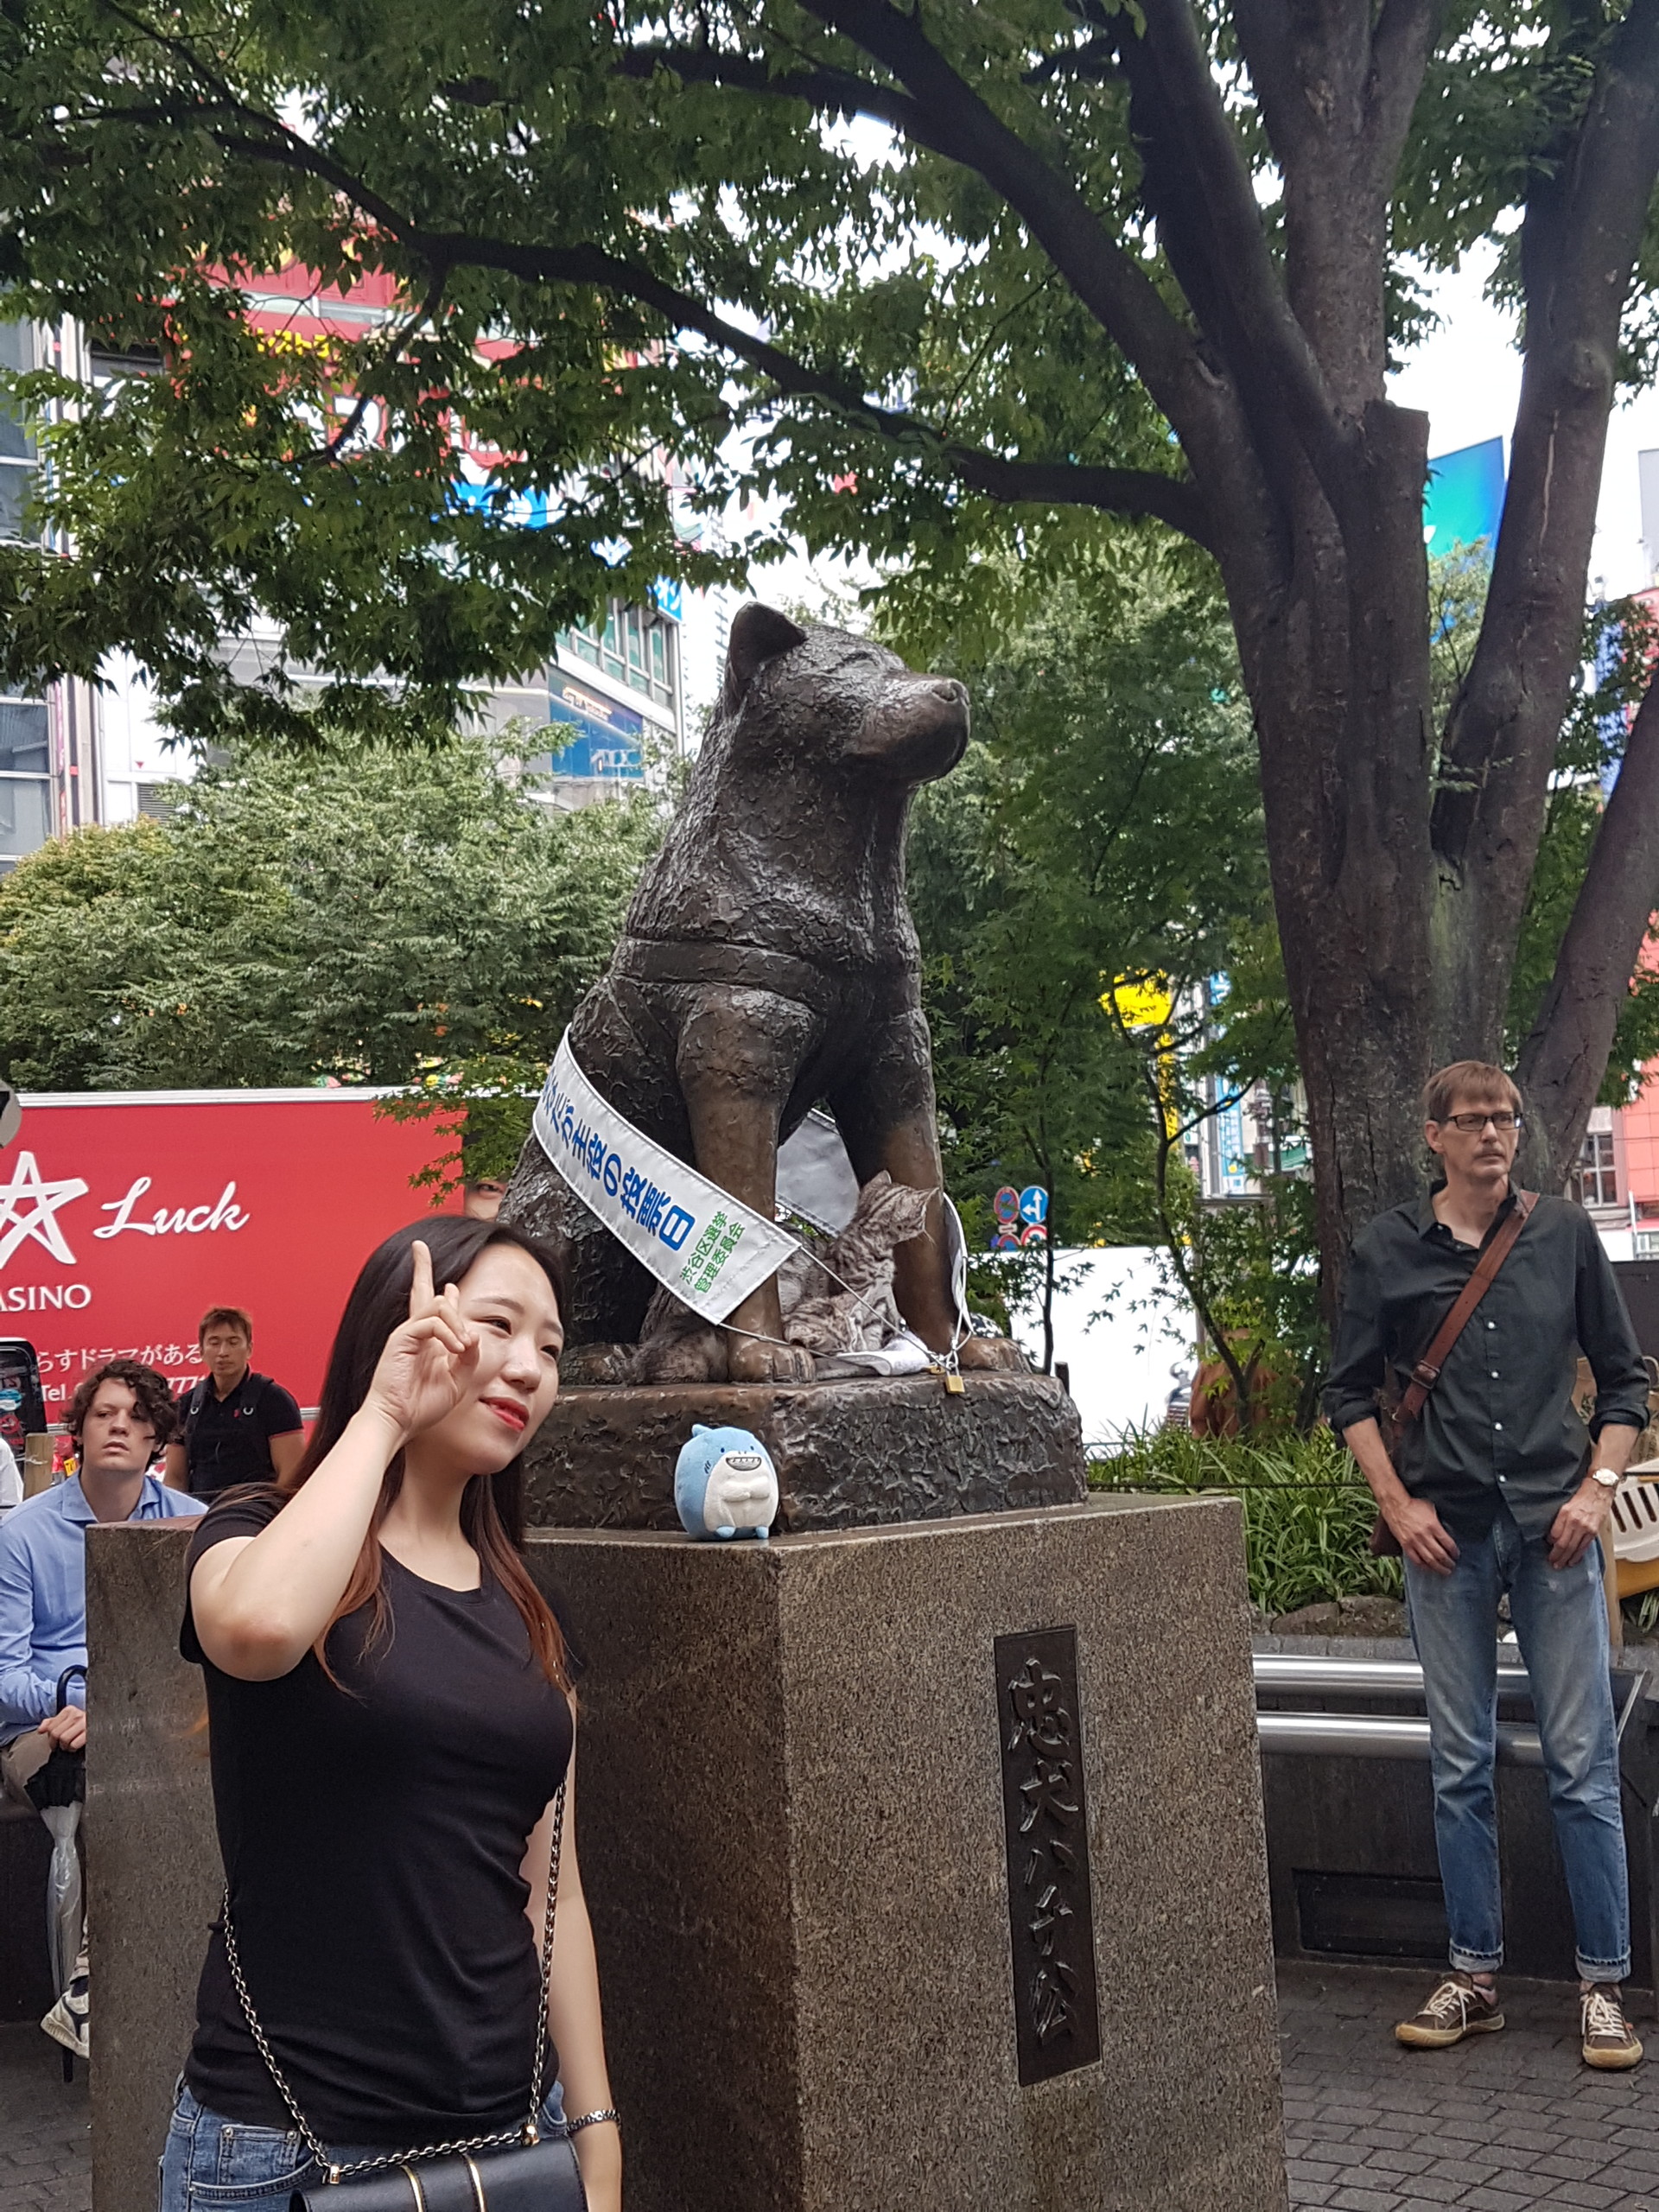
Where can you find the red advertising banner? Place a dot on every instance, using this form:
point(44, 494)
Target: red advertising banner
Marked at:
point(125, 1214)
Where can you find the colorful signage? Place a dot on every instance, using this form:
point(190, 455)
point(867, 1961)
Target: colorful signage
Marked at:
point(125, 1215)
point(606, 738)
point(1464, 504)
point(1142, 1001)
point(1005, 1236)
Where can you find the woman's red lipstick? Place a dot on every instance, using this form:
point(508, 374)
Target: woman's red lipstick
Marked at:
point(509, 1410)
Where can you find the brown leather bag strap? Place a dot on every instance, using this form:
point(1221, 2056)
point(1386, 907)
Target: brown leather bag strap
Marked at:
point(1427, 1373)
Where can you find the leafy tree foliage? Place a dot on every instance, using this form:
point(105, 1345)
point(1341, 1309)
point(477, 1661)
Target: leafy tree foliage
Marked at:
point(372, 914)
point(1105, 830)
point(1620, 644)
point(953, 284)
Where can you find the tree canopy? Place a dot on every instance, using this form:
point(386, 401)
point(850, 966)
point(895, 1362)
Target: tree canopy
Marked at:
point(356, 913)
point(1100, 848)
point(948, 284)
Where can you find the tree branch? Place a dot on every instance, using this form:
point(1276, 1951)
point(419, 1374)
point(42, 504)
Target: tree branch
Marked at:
point(1268, 44)
point(1118, 491)
point(949, 119)
point(1110, 284)
point(1285, 45)
point(1336, 93)
point(1565, 1058)
point(1405, 36)
point(402, 333)
point(1583, 227)
point(1204, 183)
point(833, 91)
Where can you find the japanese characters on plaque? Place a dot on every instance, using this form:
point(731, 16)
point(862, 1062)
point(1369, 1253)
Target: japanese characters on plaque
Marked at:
point(1050, 1914)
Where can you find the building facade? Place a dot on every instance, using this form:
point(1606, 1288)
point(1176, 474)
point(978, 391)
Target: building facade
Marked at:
point(611, 706)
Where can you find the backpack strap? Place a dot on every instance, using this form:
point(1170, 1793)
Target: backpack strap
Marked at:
point(1426, 1372)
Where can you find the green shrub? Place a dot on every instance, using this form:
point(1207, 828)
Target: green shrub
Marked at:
point(1307, 1512)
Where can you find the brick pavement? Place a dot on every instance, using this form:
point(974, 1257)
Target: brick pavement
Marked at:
point(1502, 2123)
point(44, 2158)
point(1509, 2123)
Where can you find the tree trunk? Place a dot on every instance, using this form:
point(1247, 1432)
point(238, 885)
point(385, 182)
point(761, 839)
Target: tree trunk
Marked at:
point(1048, 1292)
point(1564, 1060)
point(1337, 670)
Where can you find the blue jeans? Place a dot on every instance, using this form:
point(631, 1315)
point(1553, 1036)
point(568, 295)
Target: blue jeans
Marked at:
point(1560, 1625)
point(210, 2161)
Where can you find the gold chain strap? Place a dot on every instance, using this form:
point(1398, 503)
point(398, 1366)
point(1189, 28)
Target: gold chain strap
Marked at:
point(531, 2131)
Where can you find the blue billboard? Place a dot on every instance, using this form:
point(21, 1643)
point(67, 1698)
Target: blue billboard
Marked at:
point(601, 737)
point(1464, 503)
point(519, 510)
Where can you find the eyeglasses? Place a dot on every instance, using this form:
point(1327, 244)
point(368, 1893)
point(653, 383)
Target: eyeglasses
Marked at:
point(1472, 1124)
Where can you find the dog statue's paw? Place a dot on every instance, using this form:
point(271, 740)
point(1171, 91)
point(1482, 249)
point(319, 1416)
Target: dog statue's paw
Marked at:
point(684, 1355)
point(992, 1356)
point(755, 1361)
point(597, 1363)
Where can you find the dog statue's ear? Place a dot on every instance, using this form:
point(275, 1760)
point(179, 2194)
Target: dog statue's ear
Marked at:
point(759, 634)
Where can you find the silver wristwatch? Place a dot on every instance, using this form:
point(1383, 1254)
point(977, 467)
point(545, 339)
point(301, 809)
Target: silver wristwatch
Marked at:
point(1607, 1477)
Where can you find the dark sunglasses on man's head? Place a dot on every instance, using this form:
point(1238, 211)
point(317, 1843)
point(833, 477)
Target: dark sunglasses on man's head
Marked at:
point(1472, 1124)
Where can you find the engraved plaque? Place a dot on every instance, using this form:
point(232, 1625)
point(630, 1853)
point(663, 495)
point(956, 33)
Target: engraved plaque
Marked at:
point(1051, 1916)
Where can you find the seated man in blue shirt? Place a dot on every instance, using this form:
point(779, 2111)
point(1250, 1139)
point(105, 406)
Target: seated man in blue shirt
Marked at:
point(122, 1417)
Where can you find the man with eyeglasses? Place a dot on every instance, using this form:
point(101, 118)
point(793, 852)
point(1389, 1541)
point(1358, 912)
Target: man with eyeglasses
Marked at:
point(1498, 1489)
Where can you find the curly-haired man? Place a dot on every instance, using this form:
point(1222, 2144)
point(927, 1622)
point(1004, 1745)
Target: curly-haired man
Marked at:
point(121, 1418)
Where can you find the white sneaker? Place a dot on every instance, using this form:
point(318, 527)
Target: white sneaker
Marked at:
point(68, 2022)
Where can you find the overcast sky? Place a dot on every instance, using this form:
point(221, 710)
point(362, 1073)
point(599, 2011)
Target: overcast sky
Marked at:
point(1468, 379)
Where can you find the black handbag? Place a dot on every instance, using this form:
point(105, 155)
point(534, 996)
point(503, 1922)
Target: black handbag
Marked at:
point(517, 2170)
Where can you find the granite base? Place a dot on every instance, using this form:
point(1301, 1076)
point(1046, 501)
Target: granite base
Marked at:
point(793, 1849)
point(847, 1454)
point(792, 1842)
point(153, 1871)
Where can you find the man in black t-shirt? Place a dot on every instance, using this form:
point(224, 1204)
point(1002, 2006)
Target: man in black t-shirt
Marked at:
point(235, 1425)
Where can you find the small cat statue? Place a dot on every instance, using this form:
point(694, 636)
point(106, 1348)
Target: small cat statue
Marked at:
point(725, 1483)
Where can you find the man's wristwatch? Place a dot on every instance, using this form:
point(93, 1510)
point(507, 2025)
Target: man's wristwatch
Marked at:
point(1608, 1477)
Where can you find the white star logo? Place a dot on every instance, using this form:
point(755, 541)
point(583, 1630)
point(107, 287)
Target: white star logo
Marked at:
point(26, 1188)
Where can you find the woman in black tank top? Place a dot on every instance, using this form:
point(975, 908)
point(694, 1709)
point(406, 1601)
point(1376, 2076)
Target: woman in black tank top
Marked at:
point(391, 1720)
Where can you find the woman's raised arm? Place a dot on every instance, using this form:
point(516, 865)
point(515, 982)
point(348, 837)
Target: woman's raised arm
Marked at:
point(261, 1602)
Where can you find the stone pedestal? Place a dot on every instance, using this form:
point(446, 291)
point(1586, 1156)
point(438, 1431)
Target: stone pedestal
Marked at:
point(793, 1835)
point(153, 1871)
point(791, 1821)
point(847, 1454)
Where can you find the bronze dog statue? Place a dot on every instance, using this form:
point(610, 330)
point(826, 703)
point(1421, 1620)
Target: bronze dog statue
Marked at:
point(769, 962)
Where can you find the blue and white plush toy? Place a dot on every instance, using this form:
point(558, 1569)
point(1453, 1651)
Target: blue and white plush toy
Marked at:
point(724, 1482)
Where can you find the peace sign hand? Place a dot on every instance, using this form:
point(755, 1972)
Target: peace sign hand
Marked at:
point(423, 1372)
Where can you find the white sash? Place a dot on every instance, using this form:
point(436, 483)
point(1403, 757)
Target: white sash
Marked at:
point(708, 1249)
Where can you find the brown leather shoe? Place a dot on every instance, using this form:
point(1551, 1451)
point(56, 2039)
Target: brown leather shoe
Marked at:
point(1610, 2041)
point(1457, 2007)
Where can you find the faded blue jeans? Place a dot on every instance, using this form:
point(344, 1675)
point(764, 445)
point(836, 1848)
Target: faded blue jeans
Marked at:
point(1560, 1618)
point(209, 2161)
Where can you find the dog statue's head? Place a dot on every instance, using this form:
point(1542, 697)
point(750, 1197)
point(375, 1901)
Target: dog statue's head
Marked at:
point(826, 695)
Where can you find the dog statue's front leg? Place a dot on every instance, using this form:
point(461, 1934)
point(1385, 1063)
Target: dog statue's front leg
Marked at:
point(921, 1284)
point(888, 1119)
point(736, 1063)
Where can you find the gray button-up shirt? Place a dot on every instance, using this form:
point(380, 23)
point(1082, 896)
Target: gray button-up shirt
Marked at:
point(1500, 1423)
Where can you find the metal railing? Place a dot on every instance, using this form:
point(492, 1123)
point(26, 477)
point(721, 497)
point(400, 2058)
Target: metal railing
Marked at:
point(1390, 1736)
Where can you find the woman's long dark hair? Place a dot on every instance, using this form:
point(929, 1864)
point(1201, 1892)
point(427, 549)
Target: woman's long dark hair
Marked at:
point(491, 1506)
